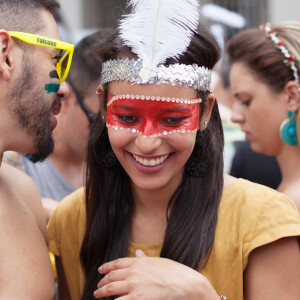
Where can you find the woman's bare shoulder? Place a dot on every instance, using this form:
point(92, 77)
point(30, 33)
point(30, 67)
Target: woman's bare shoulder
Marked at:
point(293, 191)
point(228, 180)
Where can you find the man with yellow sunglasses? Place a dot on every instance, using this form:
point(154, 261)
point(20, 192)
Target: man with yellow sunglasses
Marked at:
point(34, 64)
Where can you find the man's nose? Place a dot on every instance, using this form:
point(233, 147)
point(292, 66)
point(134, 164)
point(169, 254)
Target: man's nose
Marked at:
point(63, 91)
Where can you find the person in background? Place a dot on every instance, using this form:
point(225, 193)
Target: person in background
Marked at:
point(243, 161)
point(31, 90)
point(63, 172)
point(158, 219)
point(264, 79)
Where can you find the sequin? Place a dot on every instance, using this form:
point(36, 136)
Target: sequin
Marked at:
point(132, 70)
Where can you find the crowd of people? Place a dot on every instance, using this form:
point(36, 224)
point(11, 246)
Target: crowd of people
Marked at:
point(112, 158)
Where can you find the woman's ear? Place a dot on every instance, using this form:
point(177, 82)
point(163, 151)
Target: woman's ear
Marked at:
point(206, 113)
point(292, 92)
point(99, 92)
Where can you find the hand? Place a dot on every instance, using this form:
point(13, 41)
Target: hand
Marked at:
point(150, 278)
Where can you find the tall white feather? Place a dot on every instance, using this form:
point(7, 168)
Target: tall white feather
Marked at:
point(159, 29)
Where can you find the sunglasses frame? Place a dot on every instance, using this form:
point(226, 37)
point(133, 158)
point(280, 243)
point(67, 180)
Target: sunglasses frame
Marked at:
point(90, 116)
point(40, 40)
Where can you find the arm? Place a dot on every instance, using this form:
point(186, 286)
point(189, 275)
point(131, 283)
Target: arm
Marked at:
point(153, 278)
point(63, 291)
point(49, 207)
point(273, 271)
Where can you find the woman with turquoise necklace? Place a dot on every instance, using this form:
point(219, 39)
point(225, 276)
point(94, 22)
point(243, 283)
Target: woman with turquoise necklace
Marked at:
point(265, 81)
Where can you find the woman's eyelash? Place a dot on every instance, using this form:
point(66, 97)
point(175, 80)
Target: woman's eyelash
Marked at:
point(128, 119)
point(173, 120)
point(246, 103)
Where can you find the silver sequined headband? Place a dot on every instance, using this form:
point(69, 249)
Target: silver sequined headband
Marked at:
point(192, 76)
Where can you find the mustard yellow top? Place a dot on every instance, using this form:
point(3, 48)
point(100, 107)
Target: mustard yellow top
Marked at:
point(250, 215)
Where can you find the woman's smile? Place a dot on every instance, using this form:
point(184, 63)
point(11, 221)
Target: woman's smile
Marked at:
point(152, 162)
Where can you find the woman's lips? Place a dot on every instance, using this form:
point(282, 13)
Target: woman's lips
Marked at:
point(150, 165)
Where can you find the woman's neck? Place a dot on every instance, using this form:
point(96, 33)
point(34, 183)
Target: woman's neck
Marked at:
point(149, 220)
point(289, 163)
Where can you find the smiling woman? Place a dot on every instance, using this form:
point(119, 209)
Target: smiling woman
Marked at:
point(158, 219)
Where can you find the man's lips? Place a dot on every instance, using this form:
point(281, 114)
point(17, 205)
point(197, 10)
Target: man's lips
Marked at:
point(56, 106)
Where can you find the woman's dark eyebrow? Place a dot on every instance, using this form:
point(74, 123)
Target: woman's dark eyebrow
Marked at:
point(124, 106)
point(175, 109)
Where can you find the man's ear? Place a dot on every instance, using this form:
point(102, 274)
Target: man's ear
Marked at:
point(6, 60)
point(206, 113)
point(292, 96)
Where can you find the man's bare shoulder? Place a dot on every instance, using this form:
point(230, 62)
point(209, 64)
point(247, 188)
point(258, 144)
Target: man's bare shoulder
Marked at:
point(14, 159)
point(19, 188)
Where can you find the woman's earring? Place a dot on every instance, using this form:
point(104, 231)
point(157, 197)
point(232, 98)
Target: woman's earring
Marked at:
point(288, 130)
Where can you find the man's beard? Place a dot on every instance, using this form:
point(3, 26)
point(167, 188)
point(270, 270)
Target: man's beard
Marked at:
point(33, 113)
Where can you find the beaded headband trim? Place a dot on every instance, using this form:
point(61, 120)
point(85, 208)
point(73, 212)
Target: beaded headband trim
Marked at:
point(192, 76)
point(154, 98)
point(289, 60)
point(164, 133)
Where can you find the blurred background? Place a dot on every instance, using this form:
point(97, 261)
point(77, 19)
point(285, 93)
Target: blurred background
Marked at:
point(81, 17)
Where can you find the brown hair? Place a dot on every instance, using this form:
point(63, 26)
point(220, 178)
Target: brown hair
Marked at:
point(260, 55)
point(23, 15)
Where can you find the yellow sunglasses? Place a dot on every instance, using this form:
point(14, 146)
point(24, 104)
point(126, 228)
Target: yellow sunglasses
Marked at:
point(64, 64)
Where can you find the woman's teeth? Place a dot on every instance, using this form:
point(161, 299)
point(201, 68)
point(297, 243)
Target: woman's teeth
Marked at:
point(150, 162)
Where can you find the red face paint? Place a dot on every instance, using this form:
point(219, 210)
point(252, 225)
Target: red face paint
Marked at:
point(150, 117)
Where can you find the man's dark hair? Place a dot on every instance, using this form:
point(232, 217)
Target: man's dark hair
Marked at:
point(23, 15)
point(87, 62)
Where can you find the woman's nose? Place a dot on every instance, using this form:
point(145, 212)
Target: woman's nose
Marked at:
point(147, 144)
point(236, 115)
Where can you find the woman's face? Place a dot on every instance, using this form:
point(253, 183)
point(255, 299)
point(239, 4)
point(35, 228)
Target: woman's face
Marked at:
point(257, 109)
point(152, 139)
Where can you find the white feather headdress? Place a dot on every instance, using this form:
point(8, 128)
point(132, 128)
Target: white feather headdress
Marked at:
point(159, 29)
point(155, 31)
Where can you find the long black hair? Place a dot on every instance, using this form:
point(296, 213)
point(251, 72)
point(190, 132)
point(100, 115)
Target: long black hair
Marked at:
point(194, 209)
